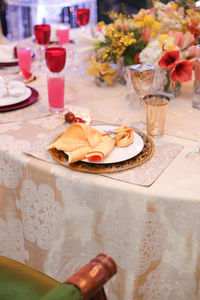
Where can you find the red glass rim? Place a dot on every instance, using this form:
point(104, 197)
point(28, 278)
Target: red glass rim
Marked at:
point(83, 10)
point(55, 58)
point(55, 50)
point(42, 26)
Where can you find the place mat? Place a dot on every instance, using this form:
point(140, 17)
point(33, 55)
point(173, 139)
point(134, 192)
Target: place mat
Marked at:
point(143, 175)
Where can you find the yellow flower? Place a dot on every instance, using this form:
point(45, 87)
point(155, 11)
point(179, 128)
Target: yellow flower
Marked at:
point(169, 44)
point(174, 6)
point(155, 29)
point(101, 25)
point(139, 23)
point(163, 37)
point(103, 71)
point(148, 21)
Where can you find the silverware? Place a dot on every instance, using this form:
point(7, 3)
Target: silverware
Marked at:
point(111, 133)
point(193, 151)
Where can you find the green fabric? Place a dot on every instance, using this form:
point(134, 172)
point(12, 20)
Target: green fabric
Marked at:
point(63, 292)
point(19, 282)
point(17, 290)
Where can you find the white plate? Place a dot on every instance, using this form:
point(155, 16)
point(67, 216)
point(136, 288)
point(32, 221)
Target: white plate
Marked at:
point(9, 100)
point(8, 61)
point(120, 153)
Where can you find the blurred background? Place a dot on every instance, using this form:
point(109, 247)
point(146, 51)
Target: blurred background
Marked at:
point(31, 12)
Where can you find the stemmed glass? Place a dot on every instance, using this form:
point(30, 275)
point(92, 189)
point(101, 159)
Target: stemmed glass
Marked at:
point(141, 76)
point(42, 37)
point(82, 16)
point(55, 60)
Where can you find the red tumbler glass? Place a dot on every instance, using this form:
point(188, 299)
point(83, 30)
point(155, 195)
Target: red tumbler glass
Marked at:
point(83, 16)
point(42, 34)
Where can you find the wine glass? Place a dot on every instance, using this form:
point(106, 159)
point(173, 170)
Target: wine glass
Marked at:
point(42, 37)
point(55, 60)
point(82, 17)
point(141, 76)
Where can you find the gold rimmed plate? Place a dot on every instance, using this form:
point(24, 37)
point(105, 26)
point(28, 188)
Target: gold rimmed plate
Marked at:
point(88, 167)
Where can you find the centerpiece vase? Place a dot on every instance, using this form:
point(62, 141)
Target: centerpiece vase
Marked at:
point(120, 71)
point(173, 89)
point(163, 84)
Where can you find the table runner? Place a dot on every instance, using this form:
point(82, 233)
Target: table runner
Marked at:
point(143, 175)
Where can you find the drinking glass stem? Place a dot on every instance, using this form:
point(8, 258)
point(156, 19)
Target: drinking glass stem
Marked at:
point(56, 74)
point(41, 53)
point(142, 110)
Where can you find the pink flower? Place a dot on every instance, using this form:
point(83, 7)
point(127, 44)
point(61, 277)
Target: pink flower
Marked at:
point(152, 10)
point(181, 71)
point(178, 37)
point(145, 34)
point(168, 60)
point(181, 11)
point(191, 53)
point(197, 70)
point(188, 40)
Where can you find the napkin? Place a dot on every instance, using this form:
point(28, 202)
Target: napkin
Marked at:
point(6, 53)
point(16, 88)
point(3, 88)
point(123, 136)
point(82, 141)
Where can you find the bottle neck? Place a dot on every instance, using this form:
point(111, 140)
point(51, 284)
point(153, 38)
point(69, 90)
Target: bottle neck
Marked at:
point(93, 276)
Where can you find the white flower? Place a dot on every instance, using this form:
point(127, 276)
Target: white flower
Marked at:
point(87, 42)
point(151, 54)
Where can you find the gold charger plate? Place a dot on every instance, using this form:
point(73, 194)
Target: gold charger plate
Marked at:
point(87, 167)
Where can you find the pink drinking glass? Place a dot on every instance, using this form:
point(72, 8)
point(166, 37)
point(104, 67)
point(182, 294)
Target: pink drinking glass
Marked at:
point(24, 59)
point(42, 38)
point(55, 60)
point(63, 34)
point(82, 16)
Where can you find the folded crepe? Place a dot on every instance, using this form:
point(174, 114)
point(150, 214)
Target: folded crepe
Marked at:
point(82, 141)
point(123, 136)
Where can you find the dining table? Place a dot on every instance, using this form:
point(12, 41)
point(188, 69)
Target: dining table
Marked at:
point(54, 218)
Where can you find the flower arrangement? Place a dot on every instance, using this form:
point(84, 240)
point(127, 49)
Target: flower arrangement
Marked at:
point(192, 22)
point(121, 39)
point(174, 53)
point(161, 18)
point(169, 26)
point(176, 16)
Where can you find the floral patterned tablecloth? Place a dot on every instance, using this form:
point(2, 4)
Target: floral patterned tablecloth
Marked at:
point(55, 219)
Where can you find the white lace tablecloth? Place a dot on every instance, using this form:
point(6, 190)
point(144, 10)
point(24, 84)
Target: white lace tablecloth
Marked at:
point(55, 219)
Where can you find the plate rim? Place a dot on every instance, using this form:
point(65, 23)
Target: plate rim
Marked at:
point(9, 63)
point(30, 100)
point(28, 96)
